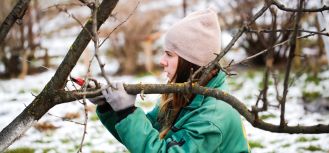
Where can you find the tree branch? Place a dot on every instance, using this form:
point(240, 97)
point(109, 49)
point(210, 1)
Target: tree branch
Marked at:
point(266, 50)
point(285, 30)
point(206, 70)
point(185, 88)
point(282, 7)
point(47, 98)
point(289, 64)
point(17, 13)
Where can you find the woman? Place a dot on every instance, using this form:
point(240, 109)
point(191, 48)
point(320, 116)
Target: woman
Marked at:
point(179, 123)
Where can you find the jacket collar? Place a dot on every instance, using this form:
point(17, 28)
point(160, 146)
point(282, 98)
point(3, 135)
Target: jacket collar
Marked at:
point(216, 82)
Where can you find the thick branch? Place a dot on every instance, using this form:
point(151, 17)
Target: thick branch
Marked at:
point(48, 97)
point(17, 13)
point(185, 88)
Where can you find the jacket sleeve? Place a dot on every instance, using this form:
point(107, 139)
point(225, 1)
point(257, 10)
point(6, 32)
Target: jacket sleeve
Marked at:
point(139, 136)
point(108, 118)
point(153, 116)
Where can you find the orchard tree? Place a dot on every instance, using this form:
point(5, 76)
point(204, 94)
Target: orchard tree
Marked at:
point(54, 92)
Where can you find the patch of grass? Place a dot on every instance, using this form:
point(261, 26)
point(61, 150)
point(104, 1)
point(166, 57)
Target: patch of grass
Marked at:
point(74, 149)
point(255, 144)
point(65, 141)
point(249, 97)
point(311, 148)
point(314, 79)
point(21, 150)
point(112, 141)
point(266, 116)
point(35, 90)
point(94, 117)
point(97, 151)
point(304, 139)
point(46, 150)
point(310, 96)
point(21, 91)
point(261, 84)
point(88, 144)
point(41, 141)
point(142, 74)
point(275, 141)
point(251, 74)
point(286, 145)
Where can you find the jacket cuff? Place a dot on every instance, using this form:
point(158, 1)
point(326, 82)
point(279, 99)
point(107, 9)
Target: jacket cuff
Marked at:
point(104, 108)
point(124, 113)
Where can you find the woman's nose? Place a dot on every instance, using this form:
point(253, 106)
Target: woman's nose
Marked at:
point(163, 62)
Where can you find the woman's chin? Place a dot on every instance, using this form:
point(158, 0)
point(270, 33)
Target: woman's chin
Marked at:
point(165, 76)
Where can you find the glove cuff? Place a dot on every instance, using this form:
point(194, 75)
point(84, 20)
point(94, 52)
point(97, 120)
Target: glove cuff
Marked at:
point(124, 113)
point(106, 107)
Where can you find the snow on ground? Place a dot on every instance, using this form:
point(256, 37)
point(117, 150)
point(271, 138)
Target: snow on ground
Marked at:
point(15, 94)
point(65, 136)
point(247, 91)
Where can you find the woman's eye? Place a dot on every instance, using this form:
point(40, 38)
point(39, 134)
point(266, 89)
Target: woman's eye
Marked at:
point(168, 54)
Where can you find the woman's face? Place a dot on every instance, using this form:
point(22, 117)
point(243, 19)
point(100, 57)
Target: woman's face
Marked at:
point(169, 62)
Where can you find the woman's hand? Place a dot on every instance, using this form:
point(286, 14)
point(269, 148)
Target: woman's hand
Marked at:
point(99, 100)
point(118, 98)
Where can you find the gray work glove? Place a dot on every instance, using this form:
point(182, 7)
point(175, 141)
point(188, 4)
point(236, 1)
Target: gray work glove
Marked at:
point(118, 98)
point(99, 100)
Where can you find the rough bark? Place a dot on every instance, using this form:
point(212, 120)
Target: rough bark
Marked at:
point(17, 13)
point(49, 95)
point(184, 88)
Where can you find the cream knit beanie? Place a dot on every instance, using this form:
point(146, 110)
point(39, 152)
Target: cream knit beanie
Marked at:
point(195, 38)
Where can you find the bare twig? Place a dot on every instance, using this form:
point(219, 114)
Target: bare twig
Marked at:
point(120, 24)
point(289, 64)
point(285, 30)
point(89, 4)
point(67, 120)
point(213, 64)
point(266, 50)
point(60, 6)
point(94, 37)
point(101, 65)
point(276, 84)
point(282, 7)
point(75, 18)
point(45, 100)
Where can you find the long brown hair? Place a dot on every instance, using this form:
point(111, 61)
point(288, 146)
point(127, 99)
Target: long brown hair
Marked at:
point(171, 104)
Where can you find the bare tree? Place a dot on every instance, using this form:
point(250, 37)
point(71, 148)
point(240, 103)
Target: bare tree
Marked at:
point(54, 93)
point(131, 39)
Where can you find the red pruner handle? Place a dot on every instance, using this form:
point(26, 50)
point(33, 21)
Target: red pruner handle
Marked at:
point(78, 81)
point(82, 82)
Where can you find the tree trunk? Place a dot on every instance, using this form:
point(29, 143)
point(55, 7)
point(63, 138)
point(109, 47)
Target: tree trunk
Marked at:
point(17, 13)
point(47, 98)
point(130, 64)
point(322, 21)
point(147, 47)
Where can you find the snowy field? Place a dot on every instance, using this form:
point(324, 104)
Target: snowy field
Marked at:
point(52, 134)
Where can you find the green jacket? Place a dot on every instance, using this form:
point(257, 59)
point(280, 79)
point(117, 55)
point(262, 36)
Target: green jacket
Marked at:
point(206, 125)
